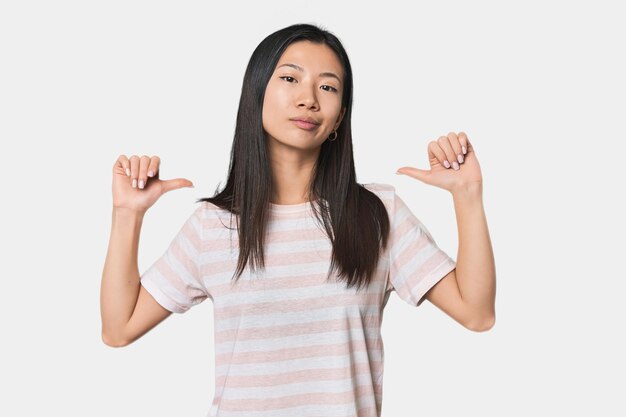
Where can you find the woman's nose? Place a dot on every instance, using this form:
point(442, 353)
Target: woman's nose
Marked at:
point(307, 97)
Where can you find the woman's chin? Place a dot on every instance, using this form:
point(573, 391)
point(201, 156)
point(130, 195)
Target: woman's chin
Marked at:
point(302, 143)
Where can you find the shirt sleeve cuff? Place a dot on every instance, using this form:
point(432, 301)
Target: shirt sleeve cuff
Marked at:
point(433, 278)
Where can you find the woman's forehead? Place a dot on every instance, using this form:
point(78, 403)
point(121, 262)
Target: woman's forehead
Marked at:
point(308, 56)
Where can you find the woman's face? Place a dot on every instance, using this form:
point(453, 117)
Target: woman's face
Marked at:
point(303, 86)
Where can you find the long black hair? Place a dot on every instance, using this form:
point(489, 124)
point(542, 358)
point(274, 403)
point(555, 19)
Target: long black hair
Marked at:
point(354, 218)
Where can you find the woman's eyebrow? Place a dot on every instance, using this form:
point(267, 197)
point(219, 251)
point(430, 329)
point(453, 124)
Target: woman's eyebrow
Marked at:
point(322, 74)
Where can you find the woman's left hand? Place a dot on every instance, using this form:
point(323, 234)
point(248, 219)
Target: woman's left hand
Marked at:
point(444, 153)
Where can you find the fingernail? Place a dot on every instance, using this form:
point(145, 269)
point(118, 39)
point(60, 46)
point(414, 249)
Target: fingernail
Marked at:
point(191, 186)
point(398, 173)
point(150, 173)
point(127, 172)
point(460, 158)
point(141, 184)
point(464, 150)
point(134, 183)
point(455, 165)
point(446, 163)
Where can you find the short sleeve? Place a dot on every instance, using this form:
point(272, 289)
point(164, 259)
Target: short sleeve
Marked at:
point(174, 279)
point(416, 263)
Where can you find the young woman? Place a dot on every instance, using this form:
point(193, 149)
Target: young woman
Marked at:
point(298, 258)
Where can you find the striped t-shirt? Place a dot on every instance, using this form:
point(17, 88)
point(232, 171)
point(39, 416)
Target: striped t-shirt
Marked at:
point(287, 341)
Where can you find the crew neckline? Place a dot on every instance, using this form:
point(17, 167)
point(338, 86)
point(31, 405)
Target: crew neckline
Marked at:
point(291, 208)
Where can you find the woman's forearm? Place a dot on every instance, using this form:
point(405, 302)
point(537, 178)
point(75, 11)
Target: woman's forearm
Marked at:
point(120, 278)
point(475, 269)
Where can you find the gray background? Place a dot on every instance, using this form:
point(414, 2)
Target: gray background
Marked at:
point(537, 86)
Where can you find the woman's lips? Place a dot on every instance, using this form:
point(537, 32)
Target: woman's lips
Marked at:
point(305, 125)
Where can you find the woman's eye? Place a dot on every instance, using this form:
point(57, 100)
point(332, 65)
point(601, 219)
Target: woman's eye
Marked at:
point(288, 78)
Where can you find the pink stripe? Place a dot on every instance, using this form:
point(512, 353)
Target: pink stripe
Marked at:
point(279, 236)
point(184, 259)
point(300, 376)
point(281, 355)
point(171, 276)
point(192, 234)
point(293, 281)
point(293, 329)
point(295, 305)
point(295, 258)
point(318, 398)
point(416, 278)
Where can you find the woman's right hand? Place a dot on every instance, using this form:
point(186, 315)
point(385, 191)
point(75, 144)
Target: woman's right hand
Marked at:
point(132, 171)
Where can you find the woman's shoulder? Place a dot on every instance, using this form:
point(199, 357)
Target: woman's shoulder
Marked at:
point(384, 191)
point(211, 214)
